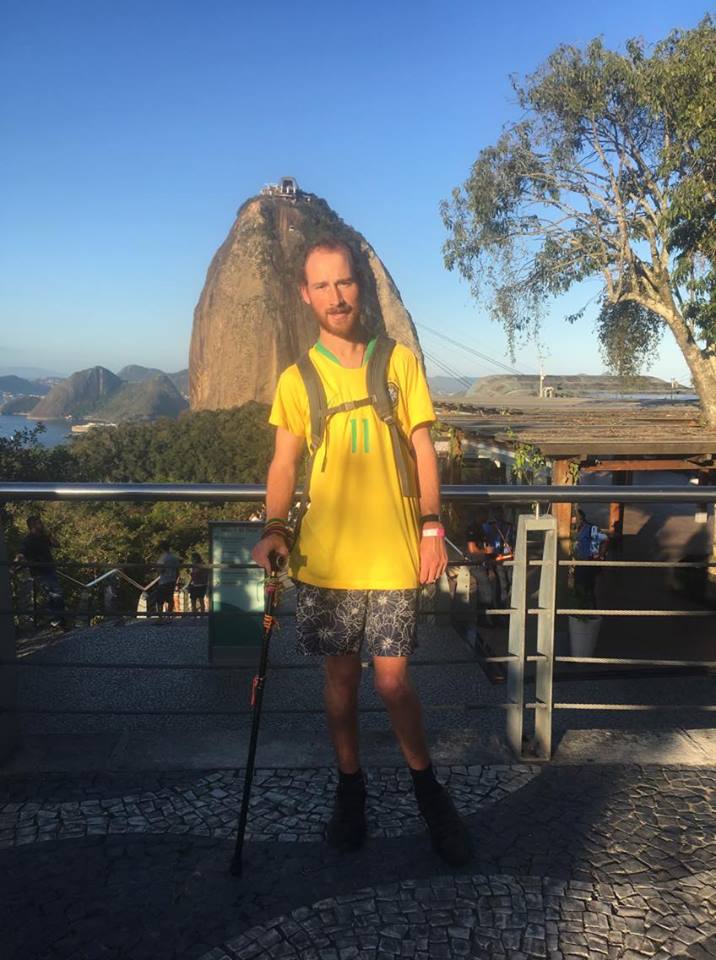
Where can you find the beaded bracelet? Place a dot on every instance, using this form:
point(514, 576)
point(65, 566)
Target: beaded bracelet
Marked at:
point(279, 526)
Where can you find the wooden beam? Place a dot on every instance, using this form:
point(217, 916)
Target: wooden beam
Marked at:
point(562, 511)
point(621, 466)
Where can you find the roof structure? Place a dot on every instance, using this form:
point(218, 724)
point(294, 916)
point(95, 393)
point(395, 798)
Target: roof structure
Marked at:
point(589, 429)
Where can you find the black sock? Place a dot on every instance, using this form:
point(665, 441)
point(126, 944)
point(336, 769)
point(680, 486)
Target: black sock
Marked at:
point(424, 781)
point(351, 781)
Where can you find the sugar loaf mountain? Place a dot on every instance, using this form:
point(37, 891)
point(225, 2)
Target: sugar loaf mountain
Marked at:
point(250, 322)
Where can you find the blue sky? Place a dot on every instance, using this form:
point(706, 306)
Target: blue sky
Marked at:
point(134, 130)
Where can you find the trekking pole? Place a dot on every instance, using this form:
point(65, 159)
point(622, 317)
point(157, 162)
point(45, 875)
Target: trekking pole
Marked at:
point(271, 592)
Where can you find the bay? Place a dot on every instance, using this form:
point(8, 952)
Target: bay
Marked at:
point(56, 431)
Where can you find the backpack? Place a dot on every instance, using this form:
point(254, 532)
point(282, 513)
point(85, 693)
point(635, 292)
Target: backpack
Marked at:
point(378, 397)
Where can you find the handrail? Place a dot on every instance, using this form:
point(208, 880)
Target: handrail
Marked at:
point(116, 572)
point(520, 610)
point(251, 492)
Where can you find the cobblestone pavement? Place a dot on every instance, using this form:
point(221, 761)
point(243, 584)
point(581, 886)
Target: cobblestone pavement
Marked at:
point(286, 805)
point(615, 862)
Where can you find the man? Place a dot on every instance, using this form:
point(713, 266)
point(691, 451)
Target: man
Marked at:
point(36, 551)
point(168, 568)
point(589, 544)
point(360, 554)
point(499, 542)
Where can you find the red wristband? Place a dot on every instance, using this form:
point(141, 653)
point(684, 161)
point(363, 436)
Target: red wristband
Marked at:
point(434, 532)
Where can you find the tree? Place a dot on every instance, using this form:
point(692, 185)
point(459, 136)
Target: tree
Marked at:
point(628, 336)
point(609, 174)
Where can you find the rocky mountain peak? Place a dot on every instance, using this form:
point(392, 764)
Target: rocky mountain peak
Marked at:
point(250, 322)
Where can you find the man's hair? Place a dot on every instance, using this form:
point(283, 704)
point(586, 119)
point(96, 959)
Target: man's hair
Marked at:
point(328, 243)
point(163, 544)
point(31, 521)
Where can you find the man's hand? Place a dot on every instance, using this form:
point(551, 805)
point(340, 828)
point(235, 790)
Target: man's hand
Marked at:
point(266, 547)
point(433, 559)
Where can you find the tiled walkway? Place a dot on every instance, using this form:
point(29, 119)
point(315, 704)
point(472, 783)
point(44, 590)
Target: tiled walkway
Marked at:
point(572, 861)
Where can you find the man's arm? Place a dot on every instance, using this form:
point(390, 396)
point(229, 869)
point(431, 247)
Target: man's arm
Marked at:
point(280, 487)
point(433, 555)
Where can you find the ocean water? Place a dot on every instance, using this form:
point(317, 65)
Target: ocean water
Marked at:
point(56, 431)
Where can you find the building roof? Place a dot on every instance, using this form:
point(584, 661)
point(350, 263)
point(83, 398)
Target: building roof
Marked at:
point(569, 428)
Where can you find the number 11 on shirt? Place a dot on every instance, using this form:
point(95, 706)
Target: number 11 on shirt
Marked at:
point(354, 435)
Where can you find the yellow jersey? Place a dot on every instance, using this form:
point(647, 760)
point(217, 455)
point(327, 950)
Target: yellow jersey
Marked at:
point(359, 532)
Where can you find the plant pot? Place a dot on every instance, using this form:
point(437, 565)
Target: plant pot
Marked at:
point(583, 633)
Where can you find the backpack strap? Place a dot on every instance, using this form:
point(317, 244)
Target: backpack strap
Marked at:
point(318, 412)
point(317, 402)
point(377, 384)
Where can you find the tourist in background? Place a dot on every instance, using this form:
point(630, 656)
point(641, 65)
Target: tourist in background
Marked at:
point(589, 544)
point(198, 583)
point(168, 566)
point(36, 551)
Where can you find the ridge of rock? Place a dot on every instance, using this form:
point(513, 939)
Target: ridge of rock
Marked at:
point(145, 400)
point(250, 322)
point(78, 395)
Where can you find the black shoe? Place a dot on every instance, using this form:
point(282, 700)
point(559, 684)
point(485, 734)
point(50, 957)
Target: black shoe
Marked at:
point(448, 833)
point(346, 829)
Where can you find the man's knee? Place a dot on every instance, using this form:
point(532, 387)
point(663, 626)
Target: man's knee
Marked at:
point(343, 673)
point(392, 687)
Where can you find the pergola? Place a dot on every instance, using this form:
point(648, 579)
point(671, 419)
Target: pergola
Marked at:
point(619, 438)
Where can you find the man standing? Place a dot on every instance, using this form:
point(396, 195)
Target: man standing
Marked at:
point(363, 548)
point(589, 544)
point(36, 550)
point(168, 568)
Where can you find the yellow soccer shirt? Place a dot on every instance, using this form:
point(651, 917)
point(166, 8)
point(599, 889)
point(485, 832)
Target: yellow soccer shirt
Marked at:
point(359, 532)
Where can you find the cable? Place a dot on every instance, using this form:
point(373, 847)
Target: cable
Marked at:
point(464, 346)
point(464, 381)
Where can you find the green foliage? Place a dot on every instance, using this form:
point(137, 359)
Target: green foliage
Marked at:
point(628, 335)
point(210, 446)
point(528, 460)
point(22, 457)
point(223, 446)
point(610, 173)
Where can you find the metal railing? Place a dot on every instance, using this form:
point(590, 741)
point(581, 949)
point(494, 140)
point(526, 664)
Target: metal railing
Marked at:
point(547, 566)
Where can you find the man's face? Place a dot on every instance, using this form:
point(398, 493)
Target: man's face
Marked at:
point(331, 290)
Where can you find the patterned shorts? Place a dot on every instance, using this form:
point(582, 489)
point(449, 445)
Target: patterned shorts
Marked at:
point(338, 621)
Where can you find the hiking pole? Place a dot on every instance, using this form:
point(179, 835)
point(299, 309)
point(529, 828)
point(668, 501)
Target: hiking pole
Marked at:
point(271, 593)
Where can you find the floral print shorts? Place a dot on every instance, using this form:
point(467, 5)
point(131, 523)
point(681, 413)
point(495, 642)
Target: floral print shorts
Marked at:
point(330, 622)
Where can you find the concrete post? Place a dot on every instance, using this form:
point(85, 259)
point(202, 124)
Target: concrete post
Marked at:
point(8, 672)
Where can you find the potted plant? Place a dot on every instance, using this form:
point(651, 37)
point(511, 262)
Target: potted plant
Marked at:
point(583, 627)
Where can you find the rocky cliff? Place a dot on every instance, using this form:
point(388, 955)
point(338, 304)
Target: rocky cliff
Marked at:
point(78, 395)
point(250, 322)
point(155, 397)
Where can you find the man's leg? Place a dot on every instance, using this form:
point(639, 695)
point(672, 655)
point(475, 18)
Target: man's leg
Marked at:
point(403, 706)
point(391, 625)
point(330, 623)
point(343, 675)
point(346, 829)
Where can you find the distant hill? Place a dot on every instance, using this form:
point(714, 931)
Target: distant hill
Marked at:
point(22, 404)
point(78, 395)
point(19, 386)
point(156, 397)
point(31, 373)
point(571, 385)
point(99, 394)
point(134, 373)
point(181, 381)
point(447, 386)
